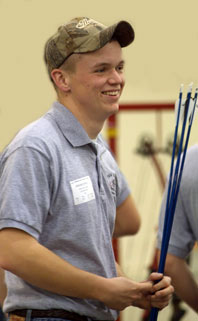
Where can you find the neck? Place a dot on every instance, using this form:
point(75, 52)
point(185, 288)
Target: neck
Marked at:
point(90, 124)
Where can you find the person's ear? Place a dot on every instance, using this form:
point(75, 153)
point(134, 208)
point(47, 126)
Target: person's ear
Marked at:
point(61, 79)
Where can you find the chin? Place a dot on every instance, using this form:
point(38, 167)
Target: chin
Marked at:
point(110, 109)
point(114, 111)
point(115, 108)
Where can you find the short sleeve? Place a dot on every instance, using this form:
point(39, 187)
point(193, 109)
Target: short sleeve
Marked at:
point(25, 190)
point(123, 188)
point(182, 238)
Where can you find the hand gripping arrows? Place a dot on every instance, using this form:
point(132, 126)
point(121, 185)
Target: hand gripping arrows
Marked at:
point(184, 111)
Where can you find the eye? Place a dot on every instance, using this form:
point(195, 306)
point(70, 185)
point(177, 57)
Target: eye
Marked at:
point(100, 70)
point(120, 68)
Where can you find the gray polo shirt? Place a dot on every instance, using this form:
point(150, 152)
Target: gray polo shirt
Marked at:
point(185, 225)
point(63, 189)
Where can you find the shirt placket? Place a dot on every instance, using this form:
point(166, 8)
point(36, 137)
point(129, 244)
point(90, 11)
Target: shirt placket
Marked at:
point(99, 171)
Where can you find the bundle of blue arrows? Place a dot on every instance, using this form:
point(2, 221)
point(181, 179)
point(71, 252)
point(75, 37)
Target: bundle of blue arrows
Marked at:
point(184, 110)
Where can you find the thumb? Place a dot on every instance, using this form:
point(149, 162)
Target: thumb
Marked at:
point(146, 286)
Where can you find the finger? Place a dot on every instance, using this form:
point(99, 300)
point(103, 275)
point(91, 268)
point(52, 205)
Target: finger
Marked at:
point(143, 291)
point(160, 305)
point(163, 283)
point(161, 297)
point(160, 302)
point(155, 276)
point(146, 287)
point(164, 292)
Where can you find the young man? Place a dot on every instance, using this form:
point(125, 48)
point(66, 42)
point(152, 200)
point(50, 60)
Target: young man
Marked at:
point(60, 188)
point(184, 232)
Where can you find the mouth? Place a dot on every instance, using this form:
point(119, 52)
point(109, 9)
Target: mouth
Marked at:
point(113, 93)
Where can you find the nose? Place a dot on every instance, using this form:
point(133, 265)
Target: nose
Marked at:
point(116, 77)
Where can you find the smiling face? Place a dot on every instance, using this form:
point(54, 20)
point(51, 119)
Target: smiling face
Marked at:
point(97, 82)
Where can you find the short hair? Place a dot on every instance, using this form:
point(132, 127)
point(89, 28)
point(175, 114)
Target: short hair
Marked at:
point(69, 64)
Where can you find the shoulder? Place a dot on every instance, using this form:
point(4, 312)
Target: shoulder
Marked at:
point(189, 180)
point(191, 163)
point(40, 136)
point(192, 152)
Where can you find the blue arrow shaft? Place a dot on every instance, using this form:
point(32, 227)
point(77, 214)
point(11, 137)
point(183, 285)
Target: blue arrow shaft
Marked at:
point(173, 190)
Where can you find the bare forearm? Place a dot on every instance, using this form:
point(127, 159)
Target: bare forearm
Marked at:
point(183, 280)
point(22, 255)
point(119, 270)
point(40, 267)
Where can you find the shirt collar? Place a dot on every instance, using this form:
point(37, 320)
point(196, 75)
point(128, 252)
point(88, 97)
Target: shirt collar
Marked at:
point(69, 125)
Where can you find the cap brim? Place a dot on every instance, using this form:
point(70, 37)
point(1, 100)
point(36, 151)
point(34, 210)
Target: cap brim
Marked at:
point(121, 31)
point(124, 33)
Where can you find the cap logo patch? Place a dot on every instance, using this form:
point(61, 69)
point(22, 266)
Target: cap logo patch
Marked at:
point(83, 23)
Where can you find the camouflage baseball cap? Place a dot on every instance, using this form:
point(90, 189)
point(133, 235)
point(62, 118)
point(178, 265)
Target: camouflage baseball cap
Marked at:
point(81, 35)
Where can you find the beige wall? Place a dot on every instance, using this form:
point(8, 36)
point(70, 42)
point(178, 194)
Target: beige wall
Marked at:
point(163, 55)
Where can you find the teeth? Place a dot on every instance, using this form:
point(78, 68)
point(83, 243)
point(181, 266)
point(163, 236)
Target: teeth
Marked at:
point(111, 93)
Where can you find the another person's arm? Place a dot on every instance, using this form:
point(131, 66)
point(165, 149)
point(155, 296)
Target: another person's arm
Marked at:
point(183, 233)
point(183, 280)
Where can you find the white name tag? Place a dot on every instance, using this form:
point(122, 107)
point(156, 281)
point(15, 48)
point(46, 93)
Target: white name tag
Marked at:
point(82, 190)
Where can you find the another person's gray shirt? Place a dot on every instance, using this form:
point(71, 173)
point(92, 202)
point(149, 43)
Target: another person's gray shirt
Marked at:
point(185, 225)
